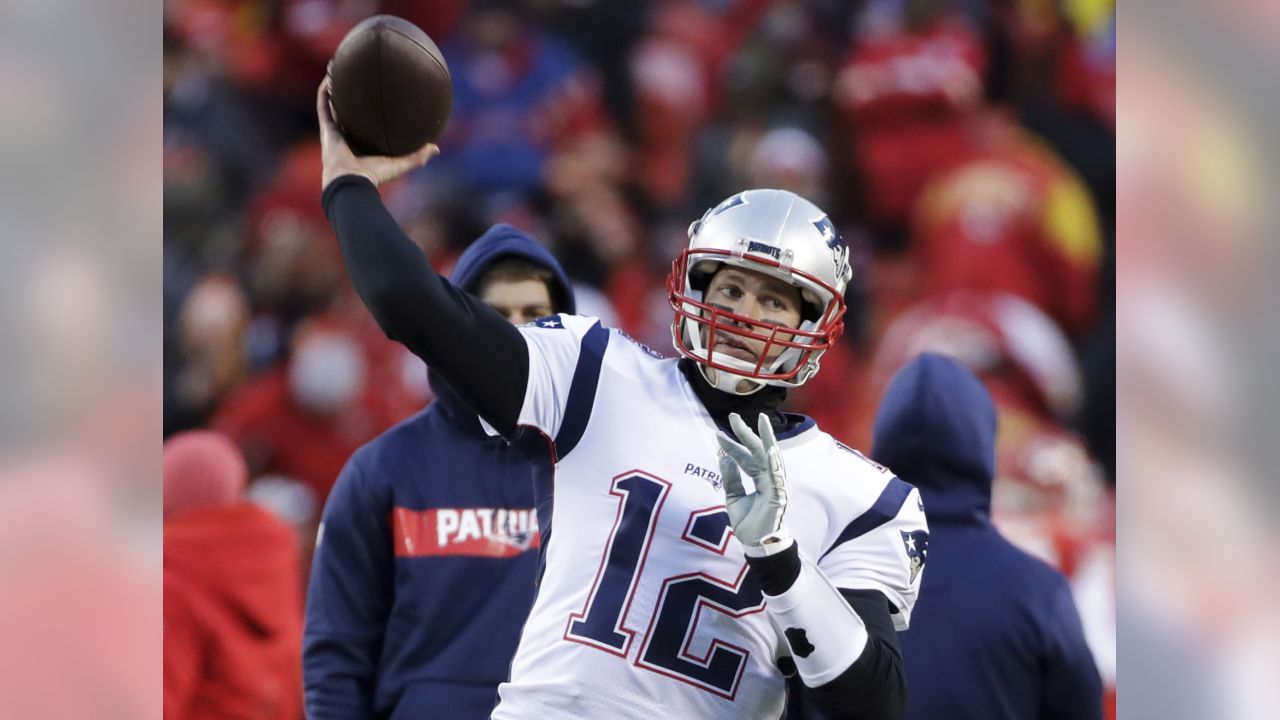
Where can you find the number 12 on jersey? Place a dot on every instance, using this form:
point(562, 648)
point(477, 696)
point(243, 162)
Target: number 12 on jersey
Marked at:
point(682, 598)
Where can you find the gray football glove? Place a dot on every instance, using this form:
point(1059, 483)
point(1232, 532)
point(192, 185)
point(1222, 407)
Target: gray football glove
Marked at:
point(756, 518)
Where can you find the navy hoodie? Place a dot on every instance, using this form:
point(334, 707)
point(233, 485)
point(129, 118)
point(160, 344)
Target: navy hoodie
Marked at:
point(995, 633)
point(427, 560)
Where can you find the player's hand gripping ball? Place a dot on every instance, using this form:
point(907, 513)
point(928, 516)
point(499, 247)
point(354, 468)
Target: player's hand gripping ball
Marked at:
point(338, 160)
point(756, 518)
point(389, 87)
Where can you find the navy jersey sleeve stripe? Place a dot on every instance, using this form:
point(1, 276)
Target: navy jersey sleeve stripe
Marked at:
point(582, 391)
point(884, 509)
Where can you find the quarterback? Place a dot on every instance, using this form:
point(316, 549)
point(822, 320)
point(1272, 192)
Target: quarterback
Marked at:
point(699, 545)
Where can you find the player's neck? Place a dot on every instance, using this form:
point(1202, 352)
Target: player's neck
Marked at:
point(719, 404)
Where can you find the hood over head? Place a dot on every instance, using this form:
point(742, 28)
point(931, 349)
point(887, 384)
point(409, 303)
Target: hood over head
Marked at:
point(499, 242)
point(201, 469)
point(936, 429)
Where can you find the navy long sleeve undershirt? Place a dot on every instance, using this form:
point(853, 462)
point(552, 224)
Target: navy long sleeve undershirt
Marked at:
point(485, 360)
point(475, 349)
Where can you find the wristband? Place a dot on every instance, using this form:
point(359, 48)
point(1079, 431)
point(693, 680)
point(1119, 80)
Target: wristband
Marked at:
point(825, 635)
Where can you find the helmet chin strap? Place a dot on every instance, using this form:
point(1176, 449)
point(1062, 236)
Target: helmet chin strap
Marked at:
point(728, 382)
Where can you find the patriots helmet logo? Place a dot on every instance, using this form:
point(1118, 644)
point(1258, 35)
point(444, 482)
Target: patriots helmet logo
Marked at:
point(696, 226)
point(917, 546)
point(828, 231)
point(732, 202)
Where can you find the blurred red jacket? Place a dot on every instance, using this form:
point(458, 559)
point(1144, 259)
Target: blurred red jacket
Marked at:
point(1013, 218)
point(278, 437)
point(232, 616)
point(906, 96)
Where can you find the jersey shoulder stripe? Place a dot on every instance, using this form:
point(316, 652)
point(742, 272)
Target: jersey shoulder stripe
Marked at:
point(884, 509)
point(858, 454)
point(582, 390)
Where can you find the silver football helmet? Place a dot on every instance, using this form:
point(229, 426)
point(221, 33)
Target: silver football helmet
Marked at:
point(777, 233)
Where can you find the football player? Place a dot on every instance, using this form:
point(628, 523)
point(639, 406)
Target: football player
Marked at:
point(698, 543)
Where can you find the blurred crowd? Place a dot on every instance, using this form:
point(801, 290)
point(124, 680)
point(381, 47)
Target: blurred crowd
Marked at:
point(965, 150)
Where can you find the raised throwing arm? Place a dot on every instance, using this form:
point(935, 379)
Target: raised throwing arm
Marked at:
point(479, 353)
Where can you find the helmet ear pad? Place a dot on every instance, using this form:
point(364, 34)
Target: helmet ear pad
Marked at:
point(811, 308)
point(701, 275)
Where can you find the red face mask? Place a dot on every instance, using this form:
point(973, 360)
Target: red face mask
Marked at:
point(793, 351)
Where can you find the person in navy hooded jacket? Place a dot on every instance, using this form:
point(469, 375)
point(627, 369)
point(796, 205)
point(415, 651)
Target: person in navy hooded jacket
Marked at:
point(427, 559)
point(996, 634)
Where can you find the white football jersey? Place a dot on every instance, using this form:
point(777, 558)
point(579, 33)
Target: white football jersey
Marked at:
point(645, 604)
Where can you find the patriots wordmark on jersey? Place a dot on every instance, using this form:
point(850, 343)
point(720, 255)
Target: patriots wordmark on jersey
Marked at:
point(645, 603)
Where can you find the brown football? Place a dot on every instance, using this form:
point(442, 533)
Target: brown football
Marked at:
point(389, 87)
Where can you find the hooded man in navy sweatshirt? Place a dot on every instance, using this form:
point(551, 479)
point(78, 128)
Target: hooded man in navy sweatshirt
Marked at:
point(427, 560)
point(996, 634)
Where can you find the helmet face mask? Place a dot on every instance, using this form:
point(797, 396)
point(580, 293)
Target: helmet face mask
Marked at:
point(774, 233)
